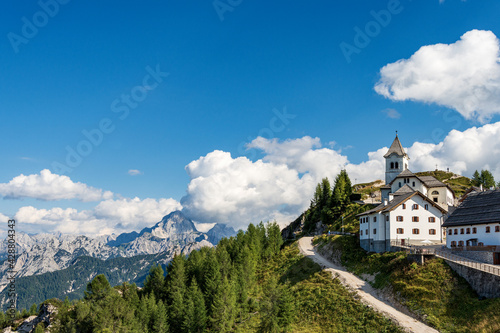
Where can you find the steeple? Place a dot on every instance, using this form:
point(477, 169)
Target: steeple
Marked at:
point(396, 148)
point(396, 160)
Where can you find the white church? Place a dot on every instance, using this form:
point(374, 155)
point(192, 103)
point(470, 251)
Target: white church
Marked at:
point(413, 207)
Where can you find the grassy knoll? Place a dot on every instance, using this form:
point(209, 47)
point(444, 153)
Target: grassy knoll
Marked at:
point(433, 291)
point(320, 303)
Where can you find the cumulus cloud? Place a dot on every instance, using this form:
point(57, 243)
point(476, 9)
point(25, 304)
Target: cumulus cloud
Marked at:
point(237, 191)
point(464, 76)
point(134, 172)
point(109, 216)
point(464, 152)
point(48, 186)
point(392, 113)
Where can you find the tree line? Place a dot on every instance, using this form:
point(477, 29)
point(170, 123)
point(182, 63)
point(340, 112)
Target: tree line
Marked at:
point(210, 290)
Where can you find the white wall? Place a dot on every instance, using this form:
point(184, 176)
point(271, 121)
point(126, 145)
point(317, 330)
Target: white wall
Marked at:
point(491, 238)
point(423, 225)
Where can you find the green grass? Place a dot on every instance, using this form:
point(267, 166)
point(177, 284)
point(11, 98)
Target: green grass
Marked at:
point(432, 291)
point(321, 303)
point(458, 185)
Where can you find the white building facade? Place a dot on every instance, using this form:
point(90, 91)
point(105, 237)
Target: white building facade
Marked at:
point(476, 222)
point(412, 210)
point(410, 218)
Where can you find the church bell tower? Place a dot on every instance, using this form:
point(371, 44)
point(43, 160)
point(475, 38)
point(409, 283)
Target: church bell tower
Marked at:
point(396, 160)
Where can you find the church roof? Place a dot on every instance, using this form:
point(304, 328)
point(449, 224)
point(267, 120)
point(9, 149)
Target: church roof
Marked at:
point(406, 173)
point(396, 148)
point(430, 181)
point(404, 190)
point(477, 208)
point(398, 200)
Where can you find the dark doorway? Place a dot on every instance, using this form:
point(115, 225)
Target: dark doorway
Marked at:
point(496, 258)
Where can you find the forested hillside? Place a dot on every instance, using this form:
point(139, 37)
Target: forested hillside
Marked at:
point(247, 284)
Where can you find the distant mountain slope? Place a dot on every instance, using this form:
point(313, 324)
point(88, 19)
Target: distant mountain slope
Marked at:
point(43, 253)
point(73, 280)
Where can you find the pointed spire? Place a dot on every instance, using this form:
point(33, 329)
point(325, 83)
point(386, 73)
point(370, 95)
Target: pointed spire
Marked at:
point(396, 148)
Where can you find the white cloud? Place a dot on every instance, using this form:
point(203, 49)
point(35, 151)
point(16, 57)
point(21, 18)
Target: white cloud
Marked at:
point(134, 172)
point(108, 216)
point(237, 191)
point(49, 186)
point(392, 113)
point(464, 152)
point(464, 76)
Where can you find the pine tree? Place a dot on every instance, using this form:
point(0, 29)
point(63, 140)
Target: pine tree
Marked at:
point(476, 178)
point(212, 279)
point(98, 288)
point(159, 319)
point(33, 310)
point(487, 179)
point(222, 317)
point(176, 290)
point(155, 282)
point(195, 318)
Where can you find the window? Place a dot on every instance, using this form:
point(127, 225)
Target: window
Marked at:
point(396, 165)
point(435, 193)
point(415, 231)
point(374, 231)
point(467, 231)
point(361, 232)
point(450, 232)
point(400, 231)
point(461, 231)
point(455, 231)
point(366, 231)
point(392, 165)
point(399, 218)
point(399, 184)
point(413, 184)
point(414, 219)
point(432, 231)
point(461, 243)
point(426, 207)
point(432, 219)
point(497, 228)
point(480, 244)
point(474, 230)
point(415, 206)
point(404, 206)
point(374, 219)
point(487, 230)
point(453, 244)
point(367, 219)
point(435, 199)
point(387, 218)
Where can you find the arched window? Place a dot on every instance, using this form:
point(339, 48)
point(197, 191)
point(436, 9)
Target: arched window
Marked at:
point(461, 243)
point(453, 244)
point(396, 165)
point(392, 165)
point(435, 193)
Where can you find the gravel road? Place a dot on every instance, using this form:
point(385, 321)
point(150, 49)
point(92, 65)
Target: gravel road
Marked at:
point(367, 293)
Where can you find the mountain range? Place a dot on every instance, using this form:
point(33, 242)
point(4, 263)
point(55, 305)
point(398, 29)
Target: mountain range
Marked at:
point(43, 254)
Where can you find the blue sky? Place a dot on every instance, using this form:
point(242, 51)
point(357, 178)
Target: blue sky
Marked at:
point(236, 70)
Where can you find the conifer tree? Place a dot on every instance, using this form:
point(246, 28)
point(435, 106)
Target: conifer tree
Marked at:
point(155, 282)
point(223, 306)
point(176, 289)
point(195, 317)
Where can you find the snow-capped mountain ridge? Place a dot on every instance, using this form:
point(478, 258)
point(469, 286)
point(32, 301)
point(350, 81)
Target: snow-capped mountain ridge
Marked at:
point(43, 253)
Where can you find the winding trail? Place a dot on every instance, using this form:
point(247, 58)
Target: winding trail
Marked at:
point(367, 293)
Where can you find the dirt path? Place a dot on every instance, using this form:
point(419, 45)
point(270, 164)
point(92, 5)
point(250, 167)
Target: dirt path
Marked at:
point(367, 293)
